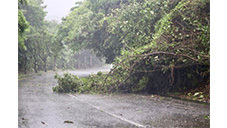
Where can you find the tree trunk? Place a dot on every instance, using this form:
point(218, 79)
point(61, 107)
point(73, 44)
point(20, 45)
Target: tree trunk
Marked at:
point(25, 65)
point(45, 66)
point(40, 68)
point(85, 62)
point(35, 67)
point(90, 60)
point(54, 63)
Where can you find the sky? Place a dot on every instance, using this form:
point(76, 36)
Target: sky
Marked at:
point(58, 8)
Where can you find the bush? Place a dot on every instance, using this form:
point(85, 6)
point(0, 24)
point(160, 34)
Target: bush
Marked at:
point(67, 83)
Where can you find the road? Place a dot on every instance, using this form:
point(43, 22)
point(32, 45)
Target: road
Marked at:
point(40, 107)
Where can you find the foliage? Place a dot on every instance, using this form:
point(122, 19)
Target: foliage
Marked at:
point(82, 27)
point(34, 14)
point(158, 46)
point(180, 45)
point(23, 26)
point(94, 84)
point(71, 83)
point(67, 83)
point(45, 46)
point(134, 22)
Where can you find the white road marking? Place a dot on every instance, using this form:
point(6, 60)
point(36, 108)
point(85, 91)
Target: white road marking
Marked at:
point(116, 116)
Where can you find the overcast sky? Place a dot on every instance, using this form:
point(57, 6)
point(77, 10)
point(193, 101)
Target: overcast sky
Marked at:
point(58, 8)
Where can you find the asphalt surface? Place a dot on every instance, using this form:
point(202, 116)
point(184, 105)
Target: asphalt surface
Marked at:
point(40, 107)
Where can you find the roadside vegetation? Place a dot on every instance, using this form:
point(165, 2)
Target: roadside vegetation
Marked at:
point(156, 46)
point(41, 46)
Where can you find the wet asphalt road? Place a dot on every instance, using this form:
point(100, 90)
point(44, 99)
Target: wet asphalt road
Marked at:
point(40, 107)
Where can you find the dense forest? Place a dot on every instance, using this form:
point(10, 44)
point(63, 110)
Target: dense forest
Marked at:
point(156, 46)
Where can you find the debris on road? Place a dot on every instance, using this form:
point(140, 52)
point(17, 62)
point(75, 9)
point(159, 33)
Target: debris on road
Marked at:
point(68, 121)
